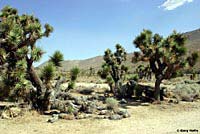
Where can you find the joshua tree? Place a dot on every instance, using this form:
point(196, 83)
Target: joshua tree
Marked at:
point(18, 37)
point(143, 72)
point(140, 71)
point(91, 71)
point(48, 73)
point(113, 68)
point(57, 58)
point(73, 76)
point(165, 55)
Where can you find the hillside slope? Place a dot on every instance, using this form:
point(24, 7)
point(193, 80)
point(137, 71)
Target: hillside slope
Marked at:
point(193, 44)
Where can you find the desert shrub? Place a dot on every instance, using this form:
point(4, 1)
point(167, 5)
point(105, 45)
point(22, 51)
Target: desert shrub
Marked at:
point(179, 73)
point(99, 82)
point(187, 92)
point(74, 73)
point(71, 85)
point(134, 77)
point(111, 103)
point(70, 110)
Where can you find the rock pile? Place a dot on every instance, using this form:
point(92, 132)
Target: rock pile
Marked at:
point(82, 107)
point(10, 112)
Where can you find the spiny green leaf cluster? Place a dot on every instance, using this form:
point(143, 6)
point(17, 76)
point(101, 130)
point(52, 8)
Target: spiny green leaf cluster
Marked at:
point(48, 72)
point(57, 58)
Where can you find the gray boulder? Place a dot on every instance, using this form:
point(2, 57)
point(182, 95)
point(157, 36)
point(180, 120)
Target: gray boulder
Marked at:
point(115, 117)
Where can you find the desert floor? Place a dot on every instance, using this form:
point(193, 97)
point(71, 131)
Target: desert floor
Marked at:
point(152, 119)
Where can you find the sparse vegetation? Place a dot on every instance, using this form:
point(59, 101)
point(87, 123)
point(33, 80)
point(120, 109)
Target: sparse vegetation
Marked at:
point(50, 93)
point(112, 103)
point(187, 91)
point(74, 72)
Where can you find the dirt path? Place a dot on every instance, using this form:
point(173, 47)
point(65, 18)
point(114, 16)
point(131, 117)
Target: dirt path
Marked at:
point(153, 119)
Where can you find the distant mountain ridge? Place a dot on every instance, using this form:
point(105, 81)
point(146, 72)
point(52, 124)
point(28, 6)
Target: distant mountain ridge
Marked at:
point(193, 44)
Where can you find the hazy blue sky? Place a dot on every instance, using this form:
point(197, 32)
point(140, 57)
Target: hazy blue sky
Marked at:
point(85, 28)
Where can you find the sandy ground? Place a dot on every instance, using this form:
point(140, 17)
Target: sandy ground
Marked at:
point(86, 85)
point(152, 119)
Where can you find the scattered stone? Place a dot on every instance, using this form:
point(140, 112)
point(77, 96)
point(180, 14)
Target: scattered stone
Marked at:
point(4, 115)
point(94, 96)
point(115, 117)
point(83, 116)
point(4, 105)
point(124, 113)
point(66, 116)
point(15, 111)
point(145, 104)
point(11, 112)
point(101, 117)
point(59, 105)
point(175, 101)
point(123, 101)
point(91, 109)
point(78, 101)
point(156, 102)
point(88, 115)
point(86, 91)
point(53, 119)
point(101, 108)
point(72, 108)
point(51, 112)
point(85, 107)
point(104, 112)
point(80, 116)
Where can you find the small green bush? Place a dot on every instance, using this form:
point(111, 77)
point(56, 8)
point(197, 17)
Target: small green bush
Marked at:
point(70, 110)
point(71, 85)
point(134, 77)
point(187, 92)
point(111, 103)
point(74, 73)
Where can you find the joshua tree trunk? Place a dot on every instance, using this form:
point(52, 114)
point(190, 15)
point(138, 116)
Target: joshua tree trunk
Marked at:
point(111, 87)
point(117, 87)
point(36, 81)
point(47, 97)
point(157, 89)
point(38, 98)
